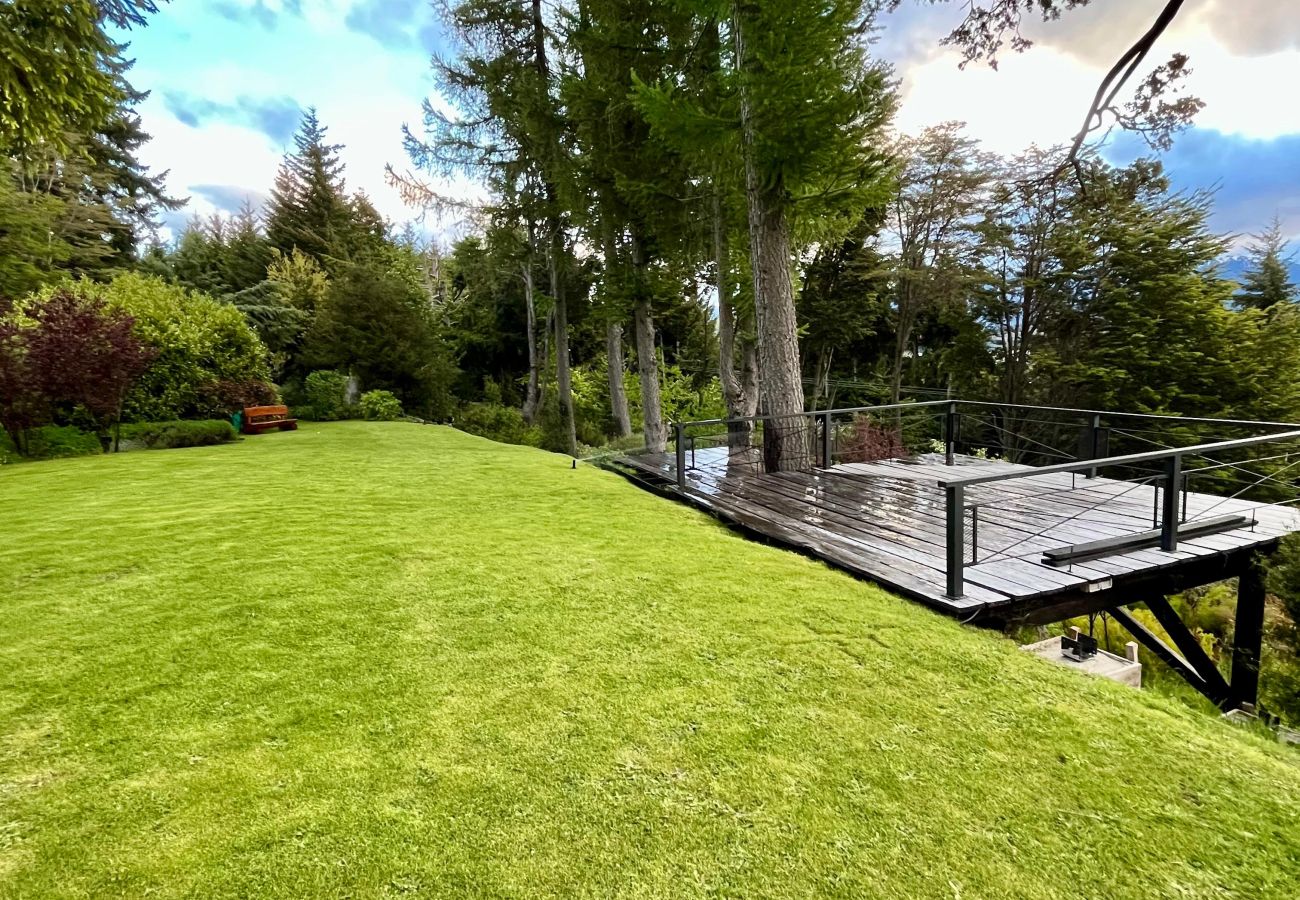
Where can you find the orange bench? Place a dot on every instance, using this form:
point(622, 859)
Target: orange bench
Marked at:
point(268, 418)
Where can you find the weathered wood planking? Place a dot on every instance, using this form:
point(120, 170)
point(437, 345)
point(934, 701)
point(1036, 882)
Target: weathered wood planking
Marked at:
point(885, 521)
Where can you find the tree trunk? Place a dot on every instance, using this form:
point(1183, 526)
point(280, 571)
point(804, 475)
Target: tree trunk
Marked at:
point(647, 362)
point(555, 253)
point(614, 366)
point(738, 390)
point(563, 380)
point(532, 399)
point(785, 444)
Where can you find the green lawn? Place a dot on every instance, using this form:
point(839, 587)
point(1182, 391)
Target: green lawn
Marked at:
point(371, 659)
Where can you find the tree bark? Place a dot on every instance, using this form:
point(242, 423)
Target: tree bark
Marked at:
point(532, 398)
point(647, 362)
point(614, 366)
point(739, 390)
point(785, 444)
point(563, 379)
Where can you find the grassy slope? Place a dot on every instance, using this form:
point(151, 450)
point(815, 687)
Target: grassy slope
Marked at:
point(366, 659)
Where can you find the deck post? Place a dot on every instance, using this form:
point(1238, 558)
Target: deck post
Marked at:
point(950, 435)
point(826, 440)
point(1094, 442)
point(1169, 506)
point(956, 514)
point(1248, 634)
point(679, 446)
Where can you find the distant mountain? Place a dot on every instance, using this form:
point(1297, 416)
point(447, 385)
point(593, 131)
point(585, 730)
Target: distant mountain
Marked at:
point(1235, 267)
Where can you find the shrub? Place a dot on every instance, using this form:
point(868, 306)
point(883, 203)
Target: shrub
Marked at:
point(227, 395)
point(380, 406)
point(327, 395)
point(867, 441)
point(499, 423)
point(169, 435)
point(198, 341)
point(61, 442)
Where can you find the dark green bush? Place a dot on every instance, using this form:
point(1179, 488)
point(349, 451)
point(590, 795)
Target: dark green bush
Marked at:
point(380, 406)
point(170, 435)
point(499, 423)
point(327, 395)
point(52, 442)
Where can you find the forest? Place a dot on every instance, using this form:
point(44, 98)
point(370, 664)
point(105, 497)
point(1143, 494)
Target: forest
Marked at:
point(687, 209)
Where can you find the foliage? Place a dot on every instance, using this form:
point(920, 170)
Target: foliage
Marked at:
point(235, 694)
point(59, 68)
point(200, 343)
point(867, 440)
point(380, 406)
point(327, 395)
point(498, 423)
point(1280, 672)
point(380, 327)
point(52, 442)
point(187, 433)
point(1267, 282)
point(69, 355)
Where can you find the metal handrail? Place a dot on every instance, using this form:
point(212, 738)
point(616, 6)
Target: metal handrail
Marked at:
point(812, 413)
point(1124, 460)
point(955, 488)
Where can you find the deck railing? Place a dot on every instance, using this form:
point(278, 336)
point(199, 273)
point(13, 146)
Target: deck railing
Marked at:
point(1052, 440)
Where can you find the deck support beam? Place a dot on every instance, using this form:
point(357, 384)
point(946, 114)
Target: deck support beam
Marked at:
point(1248, 634)
point(1188, 645)
point(1215, 692)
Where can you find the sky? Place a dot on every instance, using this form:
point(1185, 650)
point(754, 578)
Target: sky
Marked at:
point(229, 79)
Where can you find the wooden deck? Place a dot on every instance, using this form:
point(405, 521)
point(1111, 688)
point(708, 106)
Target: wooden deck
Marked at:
point(885, 521)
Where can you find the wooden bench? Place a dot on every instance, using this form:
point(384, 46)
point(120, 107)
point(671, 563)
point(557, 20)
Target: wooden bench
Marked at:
point(268, 418)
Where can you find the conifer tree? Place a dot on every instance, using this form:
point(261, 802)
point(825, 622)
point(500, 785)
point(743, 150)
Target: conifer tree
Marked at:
point(1267, 282)
point(309, 207)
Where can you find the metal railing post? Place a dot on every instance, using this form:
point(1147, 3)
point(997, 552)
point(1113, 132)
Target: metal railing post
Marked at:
point(826, 440)
point(950, 435)
point(1094, 444)
point(1169, 508)
point(956, 516)
point(679, 446)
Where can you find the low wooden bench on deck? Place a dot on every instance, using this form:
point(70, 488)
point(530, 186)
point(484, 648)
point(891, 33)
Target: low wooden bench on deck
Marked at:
point(268, 418)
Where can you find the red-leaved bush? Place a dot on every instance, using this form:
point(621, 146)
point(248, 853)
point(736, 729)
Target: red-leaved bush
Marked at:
point(217, 399)
point(869, 442)
point(70, 352)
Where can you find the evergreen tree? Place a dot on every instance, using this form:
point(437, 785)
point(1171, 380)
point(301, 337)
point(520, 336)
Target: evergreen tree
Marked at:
point(309, 208)
point(1267, 282)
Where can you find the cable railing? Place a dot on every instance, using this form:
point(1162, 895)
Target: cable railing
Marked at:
point(1169, 519)
point(1172, 454)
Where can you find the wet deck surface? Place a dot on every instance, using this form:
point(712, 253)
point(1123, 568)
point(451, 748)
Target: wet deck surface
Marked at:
point(886, 521)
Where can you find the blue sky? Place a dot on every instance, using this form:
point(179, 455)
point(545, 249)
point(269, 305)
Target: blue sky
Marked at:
point(230, 77)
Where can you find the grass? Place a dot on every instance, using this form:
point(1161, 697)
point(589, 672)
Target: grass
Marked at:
point(368, 659)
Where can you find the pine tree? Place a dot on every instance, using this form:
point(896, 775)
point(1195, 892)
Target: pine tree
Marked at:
point(1267, 282)
point(309, 208)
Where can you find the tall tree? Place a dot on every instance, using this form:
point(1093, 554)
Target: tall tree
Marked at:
point(309, 207)
point(1267, 282)
point(930, 224)
point(59, 69)
point(806, 110)
point(508, 131)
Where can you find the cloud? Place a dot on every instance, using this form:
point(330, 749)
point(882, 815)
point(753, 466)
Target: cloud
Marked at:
point(229, 198)
point(260, 11)
point(1254, 27)
point(1253, 179)
point(275, 117)
point(396, 24)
